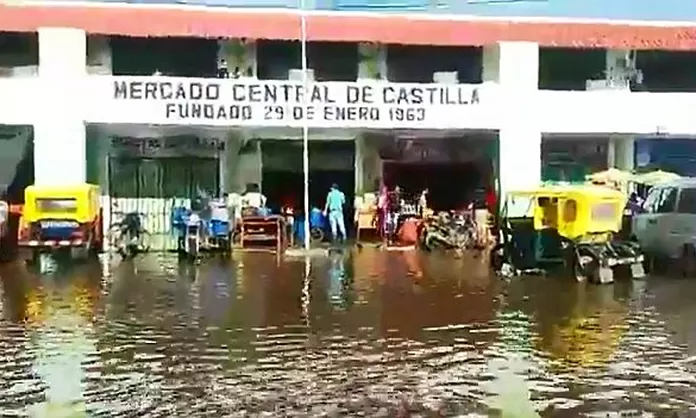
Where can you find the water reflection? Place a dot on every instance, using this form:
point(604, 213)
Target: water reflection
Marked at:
point(55, 316)
point(363, 332)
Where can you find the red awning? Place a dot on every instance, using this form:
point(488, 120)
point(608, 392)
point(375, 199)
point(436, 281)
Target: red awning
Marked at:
point(214, 22)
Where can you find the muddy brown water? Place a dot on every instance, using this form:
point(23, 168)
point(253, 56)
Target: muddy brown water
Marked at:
point(367, 333)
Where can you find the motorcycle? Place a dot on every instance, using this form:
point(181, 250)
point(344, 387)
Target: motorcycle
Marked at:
point(219, 229)
point(206, 226)
point(449, 232)
point(131, 235)
point(193, 236)
point(464, 231)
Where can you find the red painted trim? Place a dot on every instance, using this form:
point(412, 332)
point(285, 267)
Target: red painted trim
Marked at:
point(138, 21)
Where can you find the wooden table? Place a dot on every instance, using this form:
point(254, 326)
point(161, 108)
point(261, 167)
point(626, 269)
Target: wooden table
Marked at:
point(263, 230)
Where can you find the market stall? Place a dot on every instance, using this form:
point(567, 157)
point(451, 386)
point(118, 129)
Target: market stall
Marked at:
point(366, 216)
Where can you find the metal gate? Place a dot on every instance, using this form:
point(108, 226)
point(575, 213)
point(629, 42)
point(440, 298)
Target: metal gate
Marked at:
point(153, 186)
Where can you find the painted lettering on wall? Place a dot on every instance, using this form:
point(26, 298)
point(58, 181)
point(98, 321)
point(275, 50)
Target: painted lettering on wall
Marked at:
point(273, 102)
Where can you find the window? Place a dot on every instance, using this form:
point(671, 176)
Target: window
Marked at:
point(570, 211)
point(650, 204)
point(687, 201)
point(667, 201)
point(603, 212)
point(57, 205)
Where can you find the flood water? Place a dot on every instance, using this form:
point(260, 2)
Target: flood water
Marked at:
point(367, 333)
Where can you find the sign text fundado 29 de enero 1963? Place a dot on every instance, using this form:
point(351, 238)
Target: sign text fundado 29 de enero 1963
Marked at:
point(264, 102)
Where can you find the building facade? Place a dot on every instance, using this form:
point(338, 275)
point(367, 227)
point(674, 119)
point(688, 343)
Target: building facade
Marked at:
point(74, 84)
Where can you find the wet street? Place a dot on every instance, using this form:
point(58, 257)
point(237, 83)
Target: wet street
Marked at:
point(371, 333)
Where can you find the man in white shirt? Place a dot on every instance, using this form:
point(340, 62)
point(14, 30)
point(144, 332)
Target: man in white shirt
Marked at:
point(253, 198)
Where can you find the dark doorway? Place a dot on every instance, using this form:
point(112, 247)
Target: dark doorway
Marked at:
point(451, 185)
point(329, 162)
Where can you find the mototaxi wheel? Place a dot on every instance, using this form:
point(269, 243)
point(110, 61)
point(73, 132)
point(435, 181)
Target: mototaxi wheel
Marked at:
point(316, 235)
point(585, 269)
point(583, 264)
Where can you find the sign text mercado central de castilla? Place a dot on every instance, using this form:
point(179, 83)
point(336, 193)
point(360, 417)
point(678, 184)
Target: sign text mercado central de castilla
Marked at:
point(259, 103)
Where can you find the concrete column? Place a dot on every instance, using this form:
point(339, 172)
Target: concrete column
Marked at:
point(372, 66)
point(520, 158)
point(621, 152)
point(514, 66)
point(222, 168)
point(237, 57)
point(244, 163)
point(256, 165)
point(59, 132)
point(233, 146)
point(370, 164)
point(611, 153)
point(98, 145)
point(358, 163)
point(490, 65)
point(372, 61)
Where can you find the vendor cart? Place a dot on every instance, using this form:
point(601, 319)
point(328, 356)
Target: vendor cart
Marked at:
point(262, 232)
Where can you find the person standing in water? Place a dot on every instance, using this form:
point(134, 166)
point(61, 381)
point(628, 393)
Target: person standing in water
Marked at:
point(333, 209)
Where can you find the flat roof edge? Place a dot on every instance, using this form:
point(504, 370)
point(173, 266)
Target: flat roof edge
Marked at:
point(417, 15)
point(404, 28)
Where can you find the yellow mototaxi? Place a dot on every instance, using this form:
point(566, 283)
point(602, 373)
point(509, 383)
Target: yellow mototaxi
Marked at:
point(55, 217)
point(568, 227)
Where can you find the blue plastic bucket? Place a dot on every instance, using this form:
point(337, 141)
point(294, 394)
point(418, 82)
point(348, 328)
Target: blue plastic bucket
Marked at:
point(219, 228)
point(317, 219)
point(299, 228)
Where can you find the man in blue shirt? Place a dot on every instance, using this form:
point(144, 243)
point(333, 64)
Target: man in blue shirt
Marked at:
point(335, 201)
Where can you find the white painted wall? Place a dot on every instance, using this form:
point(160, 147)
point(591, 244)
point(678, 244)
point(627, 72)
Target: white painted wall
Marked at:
point(515, 67)
point(59, 100)
point(59, 132)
